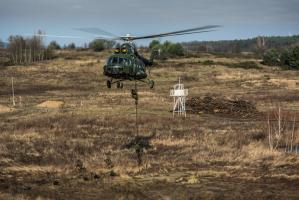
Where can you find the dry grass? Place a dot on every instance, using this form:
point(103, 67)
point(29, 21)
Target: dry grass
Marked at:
point(82, 143)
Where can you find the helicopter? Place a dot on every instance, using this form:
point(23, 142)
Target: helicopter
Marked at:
point(126, 63)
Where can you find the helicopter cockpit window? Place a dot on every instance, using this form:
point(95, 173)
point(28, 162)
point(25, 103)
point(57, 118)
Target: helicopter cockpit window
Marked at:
point(140, 65)
point(113, 61)
point(127, 62)
point(121, 61)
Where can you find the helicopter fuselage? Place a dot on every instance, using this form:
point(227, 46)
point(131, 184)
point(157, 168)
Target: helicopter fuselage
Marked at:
point(125, 66)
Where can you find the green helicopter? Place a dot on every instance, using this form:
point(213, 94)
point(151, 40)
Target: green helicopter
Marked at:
point(126, 63)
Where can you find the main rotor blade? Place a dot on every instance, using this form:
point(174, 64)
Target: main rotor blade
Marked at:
point(109, 39)
point(188, 33)
point(176, 32)
point(96, 31)
point(55, 36)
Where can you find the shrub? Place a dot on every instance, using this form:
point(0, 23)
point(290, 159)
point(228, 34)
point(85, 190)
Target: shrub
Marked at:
point(175, 50)
point(97, 45)
point(71, 46)
point(167, 49)
point(208, 62)
point(54, 45)
point(154, 44)
point(285, 58)
point(294, 58)
point(271, 58)
point(100, 44)
point(245, 65)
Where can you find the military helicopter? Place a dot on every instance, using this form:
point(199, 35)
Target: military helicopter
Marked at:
point(126, 63)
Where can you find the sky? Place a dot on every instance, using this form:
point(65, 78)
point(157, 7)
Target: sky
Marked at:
point(240, 19)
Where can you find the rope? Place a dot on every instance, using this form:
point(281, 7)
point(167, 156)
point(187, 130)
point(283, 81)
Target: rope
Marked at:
point(136, 107)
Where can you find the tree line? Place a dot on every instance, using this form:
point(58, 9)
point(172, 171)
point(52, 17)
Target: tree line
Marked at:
point(26, 50)
point(274, 50)
point(257, 45)
point(23, 50)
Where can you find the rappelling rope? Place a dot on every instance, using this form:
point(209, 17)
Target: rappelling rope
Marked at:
point(134, 93)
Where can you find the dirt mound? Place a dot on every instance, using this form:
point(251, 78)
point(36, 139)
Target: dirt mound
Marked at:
point(50, 104)
point(228, 107)
point(4, 109)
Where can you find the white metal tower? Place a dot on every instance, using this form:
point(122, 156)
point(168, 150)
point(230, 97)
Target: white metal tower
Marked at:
point(179, 98)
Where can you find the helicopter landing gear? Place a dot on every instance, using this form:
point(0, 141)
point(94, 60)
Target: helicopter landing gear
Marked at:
point(151, 84)
point(119, 85)
point(108, 84)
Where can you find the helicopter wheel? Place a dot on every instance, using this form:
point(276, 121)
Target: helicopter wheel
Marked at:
point(108, 84)
point(151, 84)
point(120, 85)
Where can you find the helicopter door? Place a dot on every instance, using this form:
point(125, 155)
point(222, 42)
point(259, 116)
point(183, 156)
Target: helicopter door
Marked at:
point(127, 66)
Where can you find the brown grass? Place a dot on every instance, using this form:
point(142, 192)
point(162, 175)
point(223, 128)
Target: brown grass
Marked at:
point(79, 150)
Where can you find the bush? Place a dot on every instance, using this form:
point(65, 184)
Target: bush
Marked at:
point(289, 58)
point(294, 58)
point(97, 45)
point(71, 46)
point(175, 50)
point(271, 58)
point(285, 58)
point(154, 44)
point(245, 65)
point(54, 45)
point(208, 62)
point(167, 49)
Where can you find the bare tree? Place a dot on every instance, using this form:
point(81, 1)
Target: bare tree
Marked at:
point(27, 50)
point(281, 128)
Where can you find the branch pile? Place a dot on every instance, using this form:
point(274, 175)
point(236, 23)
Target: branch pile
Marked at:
point(228, 107)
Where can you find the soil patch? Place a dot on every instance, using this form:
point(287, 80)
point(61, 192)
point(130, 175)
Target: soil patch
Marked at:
point(4, 109)
point(50, 104)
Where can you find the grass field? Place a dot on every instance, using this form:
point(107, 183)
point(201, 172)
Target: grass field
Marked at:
point(69, 137)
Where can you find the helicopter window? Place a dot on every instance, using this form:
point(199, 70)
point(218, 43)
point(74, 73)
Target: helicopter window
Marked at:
point(128, 62)
point(121, 61)
point(113, 61)
point(140, 65)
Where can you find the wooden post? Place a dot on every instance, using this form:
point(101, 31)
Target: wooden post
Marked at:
point(20, 101)
point(292, 138)
point(269, 133)
point(13, 93)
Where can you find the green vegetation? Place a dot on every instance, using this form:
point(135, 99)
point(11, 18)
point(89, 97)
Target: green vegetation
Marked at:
point(71, 46)
point(54, 45)
point(257, 45)
point(167, 49)
point(243, 64)
point(97, 45)
point(100, 45)
point(289, 58)
point(293, 56)
point(271, 57)
point(208, 62)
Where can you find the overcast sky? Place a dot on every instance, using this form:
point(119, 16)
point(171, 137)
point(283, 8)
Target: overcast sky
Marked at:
point(239, 18)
